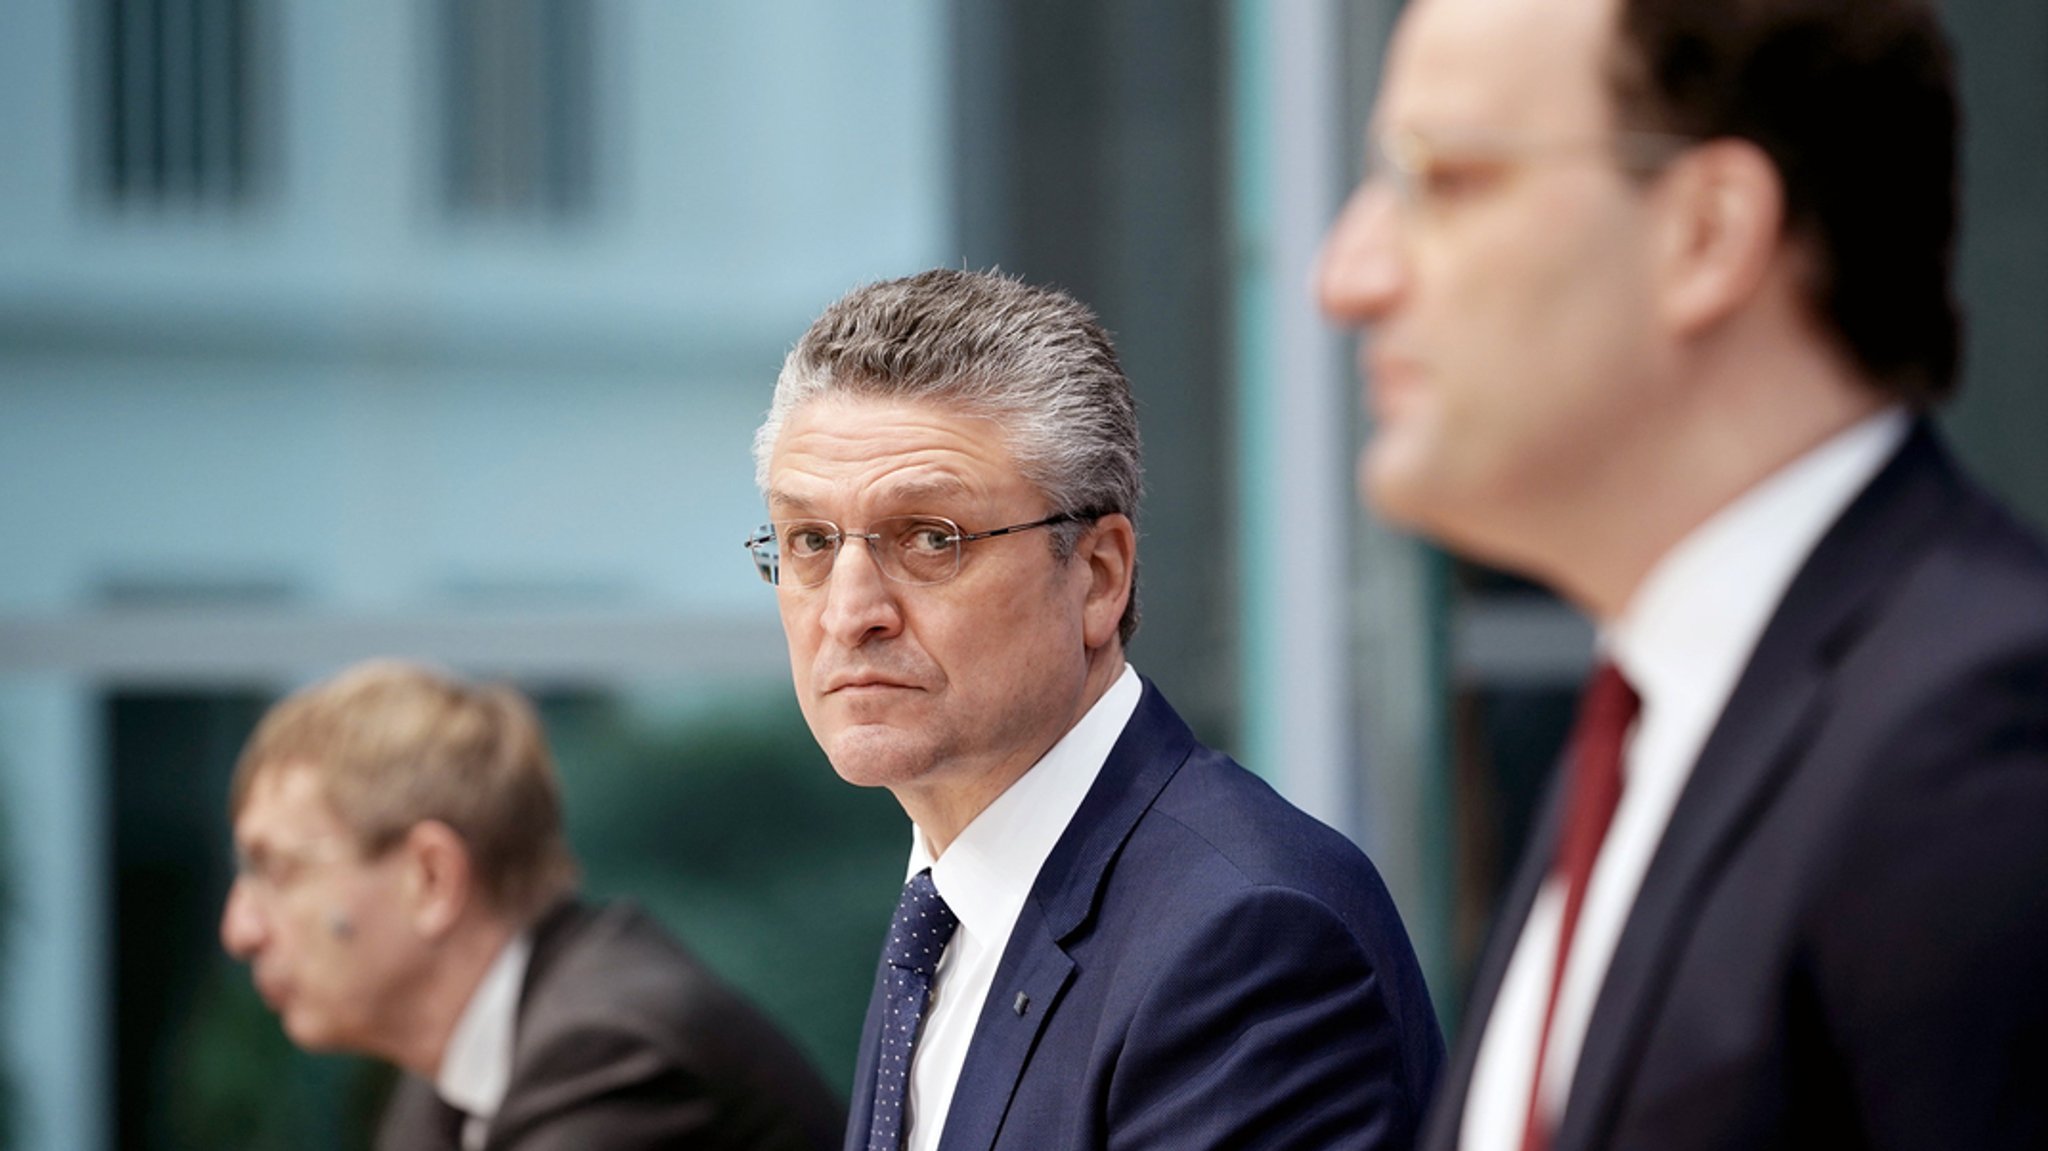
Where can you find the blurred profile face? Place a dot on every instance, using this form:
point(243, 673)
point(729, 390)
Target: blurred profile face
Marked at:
point(320, 926)
point(1507, 298)
point(937, 686)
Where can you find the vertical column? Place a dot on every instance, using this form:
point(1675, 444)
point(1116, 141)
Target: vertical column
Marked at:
point(1343, 621)
point(55, 851)
point(2001, 417)
point(1292, 415)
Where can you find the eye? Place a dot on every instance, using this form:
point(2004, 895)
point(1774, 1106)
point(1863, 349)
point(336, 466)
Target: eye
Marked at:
point(926, 537)
point(269, 869)
point(802, 540)
point(1447, 180)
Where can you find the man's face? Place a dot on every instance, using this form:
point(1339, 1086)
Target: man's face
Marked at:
point(941, 688)
point(319, 925)
point(1508, 299)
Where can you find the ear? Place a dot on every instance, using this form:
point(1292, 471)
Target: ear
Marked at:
point(1109, 550)
point(438, 885)
point(1721, 228)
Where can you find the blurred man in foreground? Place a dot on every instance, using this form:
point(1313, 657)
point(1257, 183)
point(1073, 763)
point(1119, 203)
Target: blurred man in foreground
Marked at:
point(1658, 293)
point(1111, 936)
point(404, 890)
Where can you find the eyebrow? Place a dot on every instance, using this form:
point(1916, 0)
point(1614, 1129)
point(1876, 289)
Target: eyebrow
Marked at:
point(783, 501)
point(910, 493)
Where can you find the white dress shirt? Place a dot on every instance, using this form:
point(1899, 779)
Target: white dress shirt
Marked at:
point(476, 1069)
point(985, 875)
point(1682, 643)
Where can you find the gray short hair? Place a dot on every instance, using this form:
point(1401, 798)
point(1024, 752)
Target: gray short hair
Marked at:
point(1033, 359)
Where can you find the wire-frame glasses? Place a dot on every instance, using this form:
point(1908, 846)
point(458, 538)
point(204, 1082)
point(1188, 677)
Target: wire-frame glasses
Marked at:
point(916, 550)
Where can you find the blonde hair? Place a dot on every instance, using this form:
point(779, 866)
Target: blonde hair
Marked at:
point(394, 743)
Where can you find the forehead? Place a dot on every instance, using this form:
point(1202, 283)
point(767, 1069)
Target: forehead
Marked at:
point(286, 805)
point(838, 450)
point(1484, 65)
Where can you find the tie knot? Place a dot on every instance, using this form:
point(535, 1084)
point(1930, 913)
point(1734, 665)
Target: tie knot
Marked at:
point(922, 926)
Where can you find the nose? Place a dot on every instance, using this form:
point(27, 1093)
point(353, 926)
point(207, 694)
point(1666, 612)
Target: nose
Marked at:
point(1363, 268)
point(242, 925)
point(860, 602)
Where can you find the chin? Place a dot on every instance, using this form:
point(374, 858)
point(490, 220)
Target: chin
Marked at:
point(311, 1035)
point(1391, 490)
point(875, 756)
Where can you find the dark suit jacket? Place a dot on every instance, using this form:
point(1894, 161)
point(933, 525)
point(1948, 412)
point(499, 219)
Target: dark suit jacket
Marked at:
point(626, 1041)
point(1842, 940)
point(1200, 965)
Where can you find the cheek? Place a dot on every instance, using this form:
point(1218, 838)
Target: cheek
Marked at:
point(1038, 646)
point(1530, 332)
point(802, 634)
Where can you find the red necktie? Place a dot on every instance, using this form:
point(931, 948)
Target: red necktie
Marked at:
point(1606, 709)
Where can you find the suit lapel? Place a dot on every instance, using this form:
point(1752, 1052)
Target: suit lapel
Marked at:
point(413, 1119)
point(1036, 969)
point(1753, 749)
point(1036, 963)
point(553, 932)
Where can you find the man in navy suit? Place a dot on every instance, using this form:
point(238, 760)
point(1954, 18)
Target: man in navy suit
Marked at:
point(1659, 300)
point(1112, 936)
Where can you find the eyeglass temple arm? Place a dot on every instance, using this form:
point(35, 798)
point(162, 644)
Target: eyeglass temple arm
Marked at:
point(1049, 521)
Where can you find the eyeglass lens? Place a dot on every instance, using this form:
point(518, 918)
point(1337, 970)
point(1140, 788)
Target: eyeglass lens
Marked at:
point(908, 549)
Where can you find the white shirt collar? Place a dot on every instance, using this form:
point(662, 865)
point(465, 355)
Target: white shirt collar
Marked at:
point(987, 871)
point(476, 1069)
point(1688, 632)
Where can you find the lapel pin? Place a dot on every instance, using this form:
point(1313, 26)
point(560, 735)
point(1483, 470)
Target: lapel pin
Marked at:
point(1023, 1003)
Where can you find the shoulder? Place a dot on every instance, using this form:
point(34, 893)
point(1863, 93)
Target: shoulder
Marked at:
point(1185, 821)
point(1231, 914)
point(1959, 642)
point(1924, 773)
point(1177, 829)
point(1962, 574)
point(616, 967)
point(617, 1009)
point(1920, 622)
point(1221, 862)
point(1230, 831)
point(612, 961)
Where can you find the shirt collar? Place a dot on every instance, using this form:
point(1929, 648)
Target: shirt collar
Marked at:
point(987, 871)
point(476, 1069)
point(1689, 630)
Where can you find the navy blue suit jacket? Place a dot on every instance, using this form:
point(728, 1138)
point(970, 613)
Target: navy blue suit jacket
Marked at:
point(1842, 939)
point(1200, 965)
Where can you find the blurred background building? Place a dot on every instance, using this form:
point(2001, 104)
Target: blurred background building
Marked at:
point(440, 329)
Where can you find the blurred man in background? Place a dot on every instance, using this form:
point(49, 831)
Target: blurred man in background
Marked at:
point(1659, 299)
point(404, 890)
point(1111, 936)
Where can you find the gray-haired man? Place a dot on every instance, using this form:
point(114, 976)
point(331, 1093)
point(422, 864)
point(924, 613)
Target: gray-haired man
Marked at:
point(1111, 934)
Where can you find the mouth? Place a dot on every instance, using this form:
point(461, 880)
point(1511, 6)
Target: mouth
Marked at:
point(857, 686)
point(1389, 376)
point(273, 994)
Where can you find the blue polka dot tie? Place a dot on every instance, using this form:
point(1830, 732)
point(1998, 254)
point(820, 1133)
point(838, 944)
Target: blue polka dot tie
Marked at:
point(917, 937)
